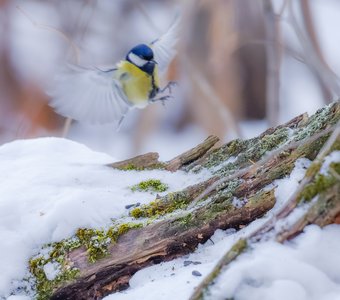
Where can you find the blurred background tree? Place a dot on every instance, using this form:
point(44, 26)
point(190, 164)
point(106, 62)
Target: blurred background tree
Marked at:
point(242, 65)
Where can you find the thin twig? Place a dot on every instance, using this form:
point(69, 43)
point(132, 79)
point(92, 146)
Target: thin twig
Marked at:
point(53, 29)
point(73, 46)
point(327, 78)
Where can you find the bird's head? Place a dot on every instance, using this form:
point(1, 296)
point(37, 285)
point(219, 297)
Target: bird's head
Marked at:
point(142, 57)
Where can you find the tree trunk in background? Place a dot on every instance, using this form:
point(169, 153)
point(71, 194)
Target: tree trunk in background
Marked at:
point(251, 58)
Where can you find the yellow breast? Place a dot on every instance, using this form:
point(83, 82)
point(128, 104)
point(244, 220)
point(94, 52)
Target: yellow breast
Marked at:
point(136, 84)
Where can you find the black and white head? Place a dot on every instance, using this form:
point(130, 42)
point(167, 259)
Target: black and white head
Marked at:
point(142, 57)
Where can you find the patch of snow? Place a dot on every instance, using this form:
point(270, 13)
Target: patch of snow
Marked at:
point(305, 268)
point(51, 270)
point(293, 217)
point(333, 157)
point(230, 160)
point(238, 203)
point(286, 186)
point(18, 297)
point(52, 186)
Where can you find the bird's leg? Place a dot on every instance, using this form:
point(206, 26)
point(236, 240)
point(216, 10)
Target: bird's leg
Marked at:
point(168, 86)
point(166, 97)
point(163, 98)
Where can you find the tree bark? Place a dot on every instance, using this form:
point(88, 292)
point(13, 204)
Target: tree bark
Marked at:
point(324, 211)
point(239, 170)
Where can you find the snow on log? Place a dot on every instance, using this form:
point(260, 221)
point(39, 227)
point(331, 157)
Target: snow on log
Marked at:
point(237, 188)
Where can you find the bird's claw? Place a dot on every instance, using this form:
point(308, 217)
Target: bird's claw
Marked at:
point(166, 97)
point(163, 98)
point(168, 86)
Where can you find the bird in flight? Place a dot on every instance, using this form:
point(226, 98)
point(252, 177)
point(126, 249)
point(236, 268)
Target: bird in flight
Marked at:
point(96, 96)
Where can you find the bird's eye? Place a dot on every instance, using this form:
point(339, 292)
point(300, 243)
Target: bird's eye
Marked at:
point(146, 57)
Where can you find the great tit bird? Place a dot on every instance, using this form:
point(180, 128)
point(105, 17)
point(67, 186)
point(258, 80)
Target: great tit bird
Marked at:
point(97, 96)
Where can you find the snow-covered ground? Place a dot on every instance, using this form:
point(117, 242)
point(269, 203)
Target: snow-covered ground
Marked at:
point(50, 187)
point(298, 270)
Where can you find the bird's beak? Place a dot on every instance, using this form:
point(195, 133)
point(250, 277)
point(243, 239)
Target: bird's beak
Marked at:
point(154, 61)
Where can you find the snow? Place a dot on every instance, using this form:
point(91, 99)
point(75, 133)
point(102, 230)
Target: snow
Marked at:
point(286, 186)
point(332, 157)
point(52, 186)
point(297, 270)
point(159, 282)
point(51, 270)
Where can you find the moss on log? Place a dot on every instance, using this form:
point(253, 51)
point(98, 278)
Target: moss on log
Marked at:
point(178, 222)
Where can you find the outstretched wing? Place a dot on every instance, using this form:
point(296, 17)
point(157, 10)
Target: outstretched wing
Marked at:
point(164, 47)
point(88, 95)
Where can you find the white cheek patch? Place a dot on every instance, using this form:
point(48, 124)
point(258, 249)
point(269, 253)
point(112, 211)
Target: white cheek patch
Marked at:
point(140, 62)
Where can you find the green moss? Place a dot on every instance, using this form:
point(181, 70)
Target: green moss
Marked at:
point(317, 122)
point(321, 182)
point(137, 213)
point(227, 189)
point(223, 153)
point(131, 167)
point(151, 185)
point(186, 220)
point(96, 243)
point(253, 150)
point(125, 227)
point(236, 146)
point(317, 186)
point(335, 166)
point(262, 196)
point(44, 287)
point(335, 146)
point(161, 207)
point(265, 144)
point(313, 169)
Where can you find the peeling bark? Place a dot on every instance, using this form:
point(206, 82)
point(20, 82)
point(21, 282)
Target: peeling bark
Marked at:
point(238, 169)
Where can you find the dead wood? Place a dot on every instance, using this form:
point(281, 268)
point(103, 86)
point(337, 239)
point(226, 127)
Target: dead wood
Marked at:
point(182, 220)
point(150, 160)
point(325, 210)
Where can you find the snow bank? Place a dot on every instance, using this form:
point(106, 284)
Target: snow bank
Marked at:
point(298, 270)
point(50, 187)
point(305, 269)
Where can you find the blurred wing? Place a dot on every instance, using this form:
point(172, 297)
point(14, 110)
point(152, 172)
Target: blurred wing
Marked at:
point(164, 47)
point(88, 95)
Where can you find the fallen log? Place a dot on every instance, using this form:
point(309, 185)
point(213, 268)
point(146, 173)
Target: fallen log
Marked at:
point(325, 210)
point(177, 222)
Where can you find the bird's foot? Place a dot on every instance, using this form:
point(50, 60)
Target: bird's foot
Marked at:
point(162, 99)
point(169, 85)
